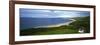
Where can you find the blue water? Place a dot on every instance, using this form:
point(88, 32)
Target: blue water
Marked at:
point(26, 23)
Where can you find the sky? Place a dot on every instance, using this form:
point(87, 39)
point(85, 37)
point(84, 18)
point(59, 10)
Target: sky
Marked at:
point(51, 13)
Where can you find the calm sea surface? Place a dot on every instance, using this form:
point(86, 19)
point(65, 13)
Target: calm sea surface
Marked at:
point(26, 23)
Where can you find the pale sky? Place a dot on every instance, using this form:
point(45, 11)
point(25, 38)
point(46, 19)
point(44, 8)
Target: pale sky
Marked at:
point(51, 13)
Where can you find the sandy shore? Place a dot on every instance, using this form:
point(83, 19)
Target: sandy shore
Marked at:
point(56, 25)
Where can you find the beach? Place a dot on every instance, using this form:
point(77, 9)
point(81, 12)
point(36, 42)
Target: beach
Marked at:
point(56, 25)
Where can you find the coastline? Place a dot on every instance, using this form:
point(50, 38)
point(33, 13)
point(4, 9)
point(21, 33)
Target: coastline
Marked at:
point(56, 25)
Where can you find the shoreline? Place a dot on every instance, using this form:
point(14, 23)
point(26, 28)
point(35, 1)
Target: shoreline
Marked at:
point(56, 25)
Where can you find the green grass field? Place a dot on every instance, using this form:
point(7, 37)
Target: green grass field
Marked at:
point(47, 31)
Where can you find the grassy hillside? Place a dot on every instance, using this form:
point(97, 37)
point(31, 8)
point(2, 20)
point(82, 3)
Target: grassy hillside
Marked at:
point(82, 22)
point(70, 29)
point(47, 31)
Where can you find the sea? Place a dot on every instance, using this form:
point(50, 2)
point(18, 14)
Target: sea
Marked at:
point(26, 23)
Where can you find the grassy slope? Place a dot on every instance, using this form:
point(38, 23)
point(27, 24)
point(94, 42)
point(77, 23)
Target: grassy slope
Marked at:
point(82, 22)
point(71, 29)
point(47, 31)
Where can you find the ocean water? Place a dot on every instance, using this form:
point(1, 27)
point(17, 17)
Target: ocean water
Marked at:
point(26, 23)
